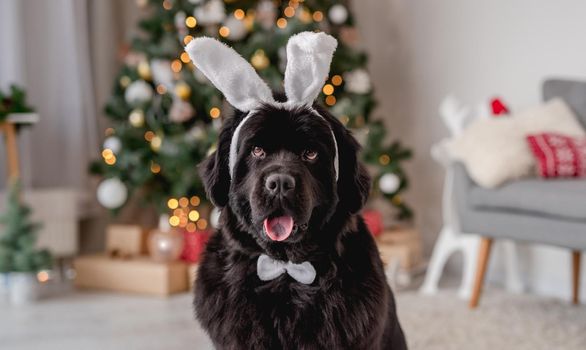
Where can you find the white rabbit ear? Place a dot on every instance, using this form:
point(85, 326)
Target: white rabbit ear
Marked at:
point(309, 56)
point(230, 73)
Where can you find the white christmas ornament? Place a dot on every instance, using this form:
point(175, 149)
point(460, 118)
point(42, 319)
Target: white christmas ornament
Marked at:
point(112, 193)
point(338, 14)
point(137, 92)
point(113, 143)
point(162, 73)
point(197, 133)
point(358, 81)
point(215, 217)
point(237, 28)
point(181, 111)
point(180, 24)
point(266, 13)
point(212, 12)
point(389, 183)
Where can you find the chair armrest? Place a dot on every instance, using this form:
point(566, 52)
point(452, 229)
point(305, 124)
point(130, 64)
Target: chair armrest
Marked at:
point(461, 186)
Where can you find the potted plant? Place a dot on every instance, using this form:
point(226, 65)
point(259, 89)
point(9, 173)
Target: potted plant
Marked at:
point(20, 260)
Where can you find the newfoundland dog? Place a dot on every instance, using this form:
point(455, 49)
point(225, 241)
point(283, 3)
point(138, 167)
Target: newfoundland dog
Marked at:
point(292, 264)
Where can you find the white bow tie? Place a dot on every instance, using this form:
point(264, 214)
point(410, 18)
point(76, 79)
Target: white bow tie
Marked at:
point(268, 269)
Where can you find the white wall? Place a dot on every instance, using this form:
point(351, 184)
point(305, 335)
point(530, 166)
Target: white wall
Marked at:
point(423, 50)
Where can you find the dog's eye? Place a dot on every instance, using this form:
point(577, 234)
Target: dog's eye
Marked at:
point(258, 152)
point(309, 154)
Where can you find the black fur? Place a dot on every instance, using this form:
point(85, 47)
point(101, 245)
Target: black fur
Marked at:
point(349, 305)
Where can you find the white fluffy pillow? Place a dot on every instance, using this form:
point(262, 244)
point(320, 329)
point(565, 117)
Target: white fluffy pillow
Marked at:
point(495, 150)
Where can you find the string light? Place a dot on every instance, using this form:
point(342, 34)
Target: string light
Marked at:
point(43, 276)
point(109, 157)
point(109, 131)
point(194, 215)
point(187, 39)
point(304, 15)
point(330, 100)
point(149, 135)
point(191, 227)
point(107, 153)
point(161, 89)
point(195, 201)
point(167, 4)
point(184, 57)
point(183, 202)
point(224, 31)
point(328, 89)
point(155, 168)
point(191, 22)
point(239, 14)
point(337, 80)
point(174, 221)
point(172, 203)
point(215, 112)
point(318, 16)
point(384, 159)
point(178, 212)
point(111, 160)
point(282, 23)
point(202, 224)
point(176, 66)
point(289, 11)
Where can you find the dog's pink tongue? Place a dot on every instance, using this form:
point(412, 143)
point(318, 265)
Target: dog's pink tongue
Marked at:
point(278, 229)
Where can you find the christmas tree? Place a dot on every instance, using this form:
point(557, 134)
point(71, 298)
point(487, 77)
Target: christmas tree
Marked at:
point(165, 114)
point(18, 238)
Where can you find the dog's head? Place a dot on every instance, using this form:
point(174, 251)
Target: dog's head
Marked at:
point(283, 168)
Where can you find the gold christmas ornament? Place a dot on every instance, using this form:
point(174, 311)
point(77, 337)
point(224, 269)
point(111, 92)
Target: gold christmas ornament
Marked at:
point(183, 90)
point(384, 159)
point(125, 81)
point(156, 143)
point(260, 60)
point(136, 118)
point(144, 70)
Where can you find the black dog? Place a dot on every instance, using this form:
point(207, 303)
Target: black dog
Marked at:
point(284, 201)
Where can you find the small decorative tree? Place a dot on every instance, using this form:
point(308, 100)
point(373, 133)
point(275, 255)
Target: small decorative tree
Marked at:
point(18, 238)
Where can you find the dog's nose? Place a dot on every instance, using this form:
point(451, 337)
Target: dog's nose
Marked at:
point(280, 184)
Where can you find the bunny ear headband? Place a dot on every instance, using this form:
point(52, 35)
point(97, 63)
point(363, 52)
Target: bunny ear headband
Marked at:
point(308, 64)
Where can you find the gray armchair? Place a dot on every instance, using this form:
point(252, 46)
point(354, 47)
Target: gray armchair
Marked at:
point(531, 210)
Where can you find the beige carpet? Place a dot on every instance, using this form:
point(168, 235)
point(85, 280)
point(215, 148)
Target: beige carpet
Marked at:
point(91, 321)
point(502, 321)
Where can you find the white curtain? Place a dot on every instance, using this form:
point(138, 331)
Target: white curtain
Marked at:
point(64, 52)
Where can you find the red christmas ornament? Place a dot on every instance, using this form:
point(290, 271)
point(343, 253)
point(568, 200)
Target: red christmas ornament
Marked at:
point(374, 221)
point(498, 107)
point(194, 244)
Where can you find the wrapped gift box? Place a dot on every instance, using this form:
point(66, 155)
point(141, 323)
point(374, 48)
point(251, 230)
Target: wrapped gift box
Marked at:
point(401, 244)
point(192, 274)
point(136, 275)
point(125, 240)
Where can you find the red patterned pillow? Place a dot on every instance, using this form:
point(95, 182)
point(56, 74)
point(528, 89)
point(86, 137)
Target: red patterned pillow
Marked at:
point(559, 155)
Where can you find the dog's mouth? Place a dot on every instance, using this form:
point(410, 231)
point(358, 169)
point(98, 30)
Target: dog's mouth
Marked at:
point(279, 228)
